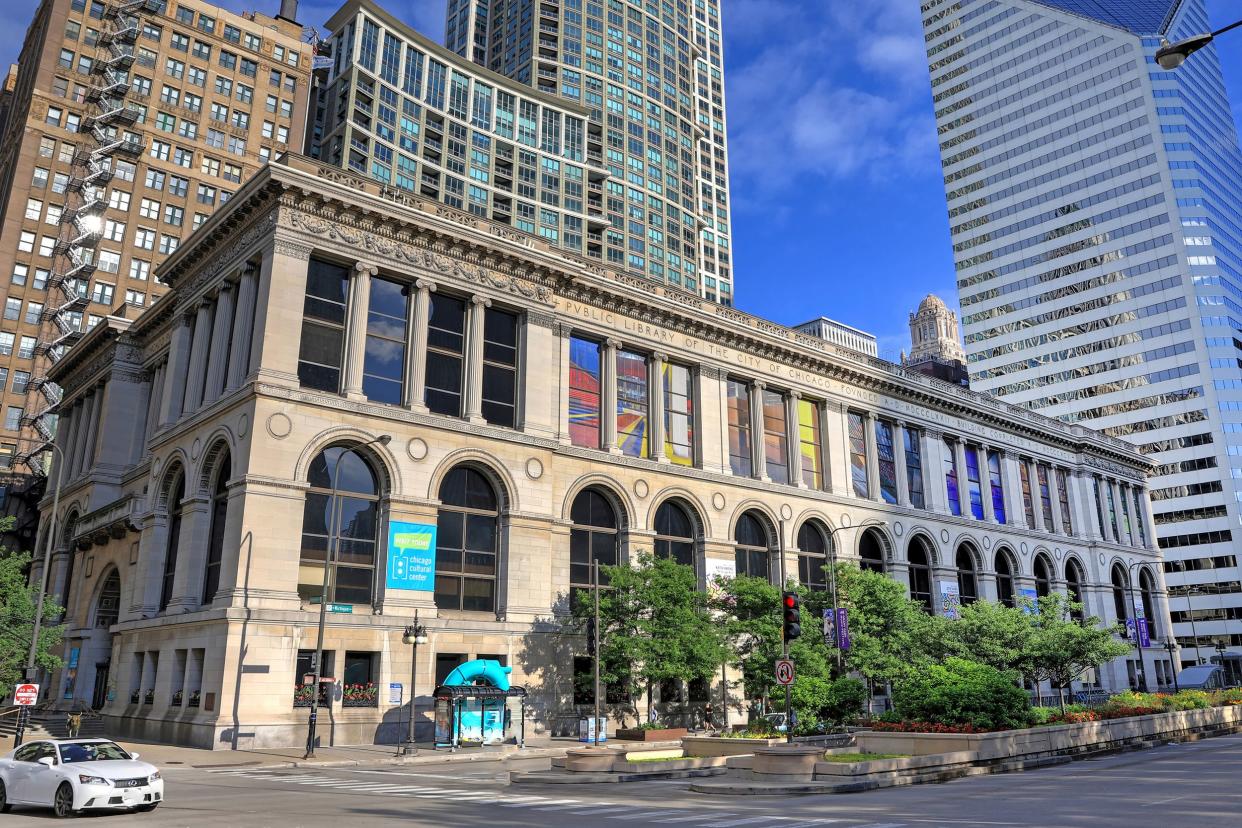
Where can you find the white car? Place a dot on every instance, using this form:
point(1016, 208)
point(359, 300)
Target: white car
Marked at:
point(71, 775)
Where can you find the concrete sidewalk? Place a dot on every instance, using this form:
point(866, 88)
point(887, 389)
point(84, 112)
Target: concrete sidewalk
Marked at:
point(173, 756)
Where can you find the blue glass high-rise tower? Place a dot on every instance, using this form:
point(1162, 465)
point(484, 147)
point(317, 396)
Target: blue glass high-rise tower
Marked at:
point(1095, 205)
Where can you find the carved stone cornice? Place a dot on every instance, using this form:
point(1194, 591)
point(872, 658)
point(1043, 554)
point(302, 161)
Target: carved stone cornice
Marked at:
point(292, 249)
point(541, 319)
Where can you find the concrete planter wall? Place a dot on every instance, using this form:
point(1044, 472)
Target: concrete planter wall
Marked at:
point(835, 769)
point(1055, 739)
point(786, 763)
point(591, 760)
point(685, 763)
point(724, 746)
point(636, 735)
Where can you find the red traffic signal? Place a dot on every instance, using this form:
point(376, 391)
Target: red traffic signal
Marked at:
point(791, 611)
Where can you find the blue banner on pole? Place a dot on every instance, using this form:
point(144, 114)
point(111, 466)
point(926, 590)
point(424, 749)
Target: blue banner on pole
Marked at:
point(1143, 633)
point(411, 556)
point(843, 629)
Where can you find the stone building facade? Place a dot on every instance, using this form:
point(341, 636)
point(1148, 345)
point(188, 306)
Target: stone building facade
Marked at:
point(316, 311)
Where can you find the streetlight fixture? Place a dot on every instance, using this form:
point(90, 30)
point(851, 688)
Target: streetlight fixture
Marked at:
point(415, 634)
point(832, 566)
point(334, 515)
point(1172, 55)
point(1170, 647)
point(1133, 591)
point(31, 670)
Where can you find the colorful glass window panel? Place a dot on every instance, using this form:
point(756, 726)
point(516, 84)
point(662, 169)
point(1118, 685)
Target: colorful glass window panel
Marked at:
point(1067, 522)
point(775, 437)
point(584, 393)
point(1045, 495)
point(887, 456)
point(914, 467)
point(1112, 509)
point(974, 485)
point(739, 429)
point(632, 403)
point(1138, 517)
point(678, 415)
point(810, 444)
point(997, 486)
point(858, 454)
point(1028, 505)
point(950, 479)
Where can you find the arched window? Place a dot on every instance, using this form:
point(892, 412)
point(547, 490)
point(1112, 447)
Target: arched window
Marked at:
point(108, 604)
point(1073, 587)
point(674, 533)
point(871, 552)
point(219, 517)
point(467, 542)
point(175, 506)
point(918, 560)
point(1004, 579)
point(1043, 577)
point(592, 538)
point(1120, 584)
point(350, 580)
point(71, 552)
point(754, 546)
point(1147, 591)
point(812, 555)
point(967, 580)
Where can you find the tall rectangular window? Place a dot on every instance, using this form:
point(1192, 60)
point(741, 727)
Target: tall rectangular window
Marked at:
point(678, 414)
point(914, 467)
point(950, 479)
point(886, 455)
point(436, 75)
point(323, 326)
point(1045, 495)
point(974, 483)
point(632, 403)
point(810, 443)
point(1138, 515)
point(1067, 523)
point(1028, 504)
point(739, 428)
point(1099, 503)
point(500, 351)
point(858, 454)
point(370, 45)
point(446, 345)
point(1125, 516)
point(384, 364)
point(1112, 509)
point(775, 436)
point(585, 393)
point(997, 486)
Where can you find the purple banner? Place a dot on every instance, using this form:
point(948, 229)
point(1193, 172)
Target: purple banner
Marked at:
point(843, 629)
point(1144, 633)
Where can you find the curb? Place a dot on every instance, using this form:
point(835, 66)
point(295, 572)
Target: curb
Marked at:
point(604, 778)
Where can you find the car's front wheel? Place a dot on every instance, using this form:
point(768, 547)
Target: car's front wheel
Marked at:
point(5, 807)
point(62, 803)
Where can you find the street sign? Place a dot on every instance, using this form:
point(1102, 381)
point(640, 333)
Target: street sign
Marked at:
point(347, 609)
point(784, 671)
point(26, 695)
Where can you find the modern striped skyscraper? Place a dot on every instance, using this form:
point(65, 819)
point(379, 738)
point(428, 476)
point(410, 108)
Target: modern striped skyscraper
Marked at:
point(1095, 203)
point(651, 76)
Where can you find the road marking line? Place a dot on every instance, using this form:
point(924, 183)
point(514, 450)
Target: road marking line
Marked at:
point(743, 821)
point(542, 801)
point(639, 815)
point(691, 818)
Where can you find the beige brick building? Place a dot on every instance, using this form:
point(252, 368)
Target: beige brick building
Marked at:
point(127, 124)
point(317, 311)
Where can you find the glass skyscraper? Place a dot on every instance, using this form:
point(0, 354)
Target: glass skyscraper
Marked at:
point(1095, 205)
point(651, 76)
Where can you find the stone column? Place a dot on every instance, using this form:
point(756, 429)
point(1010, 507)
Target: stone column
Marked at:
point(758, 441)
point(1119, 493)
point(153, 399)
point(279, 300)
point(1054, 494)
point(178, 364)
point(416, 347)
point(655, 406)
point(1084, 498)
point(218, 356)
point(64, 440)
point(191, 552)
point(474, 359)
point(356, 329)
point(711, 427)
point(873, 459)
point(243, 327)
point(934, 492)
point(1101, 487)
point(86, 450)
point(1037, 503)
point(963, 481)
point(985, 483)
point(563, 334)
point(793, 440)
point(837, 441)
point(1149, 523)
point(196, 372)
point(608, 404)
point(899, 460)
point(1012, 475)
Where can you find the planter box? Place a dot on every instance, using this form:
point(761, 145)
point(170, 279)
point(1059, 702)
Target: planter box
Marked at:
point(664, 735)
point(591, 760)
point(909, 763)
point(724, 745)
point(787, 763)
point(688, 763)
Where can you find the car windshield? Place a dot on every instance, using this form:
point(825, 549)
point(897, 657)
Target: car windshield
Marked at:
point(91, 752)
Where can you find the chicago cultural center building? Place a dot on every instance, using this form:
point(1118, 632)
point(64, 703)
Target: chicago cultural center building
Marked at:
point(545, 411)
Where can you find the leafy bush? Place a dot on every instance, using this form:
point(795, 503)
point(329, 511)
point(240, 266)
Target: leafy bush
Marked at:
point(843, 701)
point(1224, 697)
point(961, 692)
point(926, 727)
point(1190, 700)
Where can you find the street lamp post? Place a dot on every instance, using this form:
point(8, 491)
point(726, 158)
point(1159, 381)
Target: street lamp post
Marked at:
point(832, 569)
point(1172, 55)
point(1132, 590)
point(31, 669)
point(1171, 646)
point(334, 517)
point(415, 634)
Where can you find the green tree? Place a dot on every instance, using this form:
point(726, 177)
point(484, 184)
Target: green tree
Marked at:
point(1063, 648)
point(654, 626)
point(961, 692)
point(890, 635)
point(989, 633)
point(18, 600)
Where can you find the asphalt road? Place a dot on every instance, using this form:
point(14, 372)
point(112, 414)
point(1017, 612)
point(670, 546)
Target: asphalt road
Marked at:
point(1177, 786)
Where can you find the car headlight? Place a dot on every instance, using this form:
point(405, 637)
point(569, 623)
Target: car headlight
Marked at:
point(155, 776)
point(91, 780)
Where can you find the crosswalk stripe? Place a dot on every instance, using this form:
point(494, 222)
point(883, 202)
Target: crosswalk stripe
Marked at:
point(639, 815)
point(690, 818)
point(815, 822)
point(593, 808)
point(734, 822)
point(541, 801)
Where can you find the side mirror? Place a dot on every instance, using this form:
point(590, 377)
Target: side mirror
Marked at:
point(47, 761)
point(133, 756)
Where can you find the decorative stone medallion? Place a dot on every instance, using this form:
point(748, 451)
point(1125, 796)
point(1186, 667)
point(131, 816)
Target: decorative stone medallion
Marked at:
point(534, 468)
point(1023, 548)
point(786, 511)
point(243, 425)
point(196, 448)
point(846, 521)
point(944, 535)
point(987, 542)
point(279, 425)
point(718, 501)
point(1059, 552)
point(641, 488)
point(416, 448)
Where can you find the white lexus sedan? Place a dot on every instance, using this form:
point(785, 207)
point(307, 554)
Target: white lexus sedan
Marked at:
point(72, 775)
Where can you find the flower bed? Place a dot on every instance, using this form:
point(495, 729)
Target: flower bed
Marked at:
point(925, 727)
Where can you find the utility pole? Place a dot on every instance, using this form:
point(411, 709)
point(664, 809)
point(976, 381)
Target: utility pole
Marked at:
point(595, 646)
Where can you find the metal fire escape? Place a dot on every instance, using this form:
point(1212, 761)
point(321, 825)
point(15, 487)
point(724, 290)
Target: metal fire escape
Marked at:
point(81, 223)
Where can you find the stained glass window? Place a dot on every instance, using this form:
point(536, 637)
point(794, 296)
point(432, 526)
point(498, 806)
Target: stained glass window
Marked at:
point(1028, 504)
point(914, 466)
point(1138, 517)
point(632, 403)
point(678, 415)
point(950, 479)
point(858, 454)
point(1112, 509)
point(811, 444)
point(775, 437)
point(887, 457)
point(973, 482)
point(1045, 495)
point(1067, 522)
point(997, 485)
point(584, 393)
point(739, 428)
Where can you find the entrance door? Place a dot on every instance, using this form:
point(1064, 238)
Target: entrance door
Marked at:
point(100, 695)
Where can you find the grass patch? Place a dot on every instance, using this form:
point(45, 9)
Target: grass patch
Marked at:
point(846, 758)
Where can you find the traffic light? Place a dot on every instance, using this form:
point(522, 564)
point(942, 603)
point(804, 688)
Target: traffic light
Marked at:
point(590, 632)
point(791, 614)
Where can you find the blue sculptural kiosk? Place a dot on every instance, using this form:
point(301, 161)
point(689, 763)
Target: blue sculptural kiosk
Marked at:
point(472, 705)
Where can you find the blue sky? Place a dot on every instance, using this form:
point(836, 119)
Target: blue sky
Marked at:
point(851, 222)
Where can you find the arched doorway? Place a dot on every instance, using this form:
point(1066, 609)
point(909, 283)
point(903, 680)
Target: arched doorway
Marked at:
point(871, 551)
point(967, 579)
point(919, 563)
point(104, 614)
